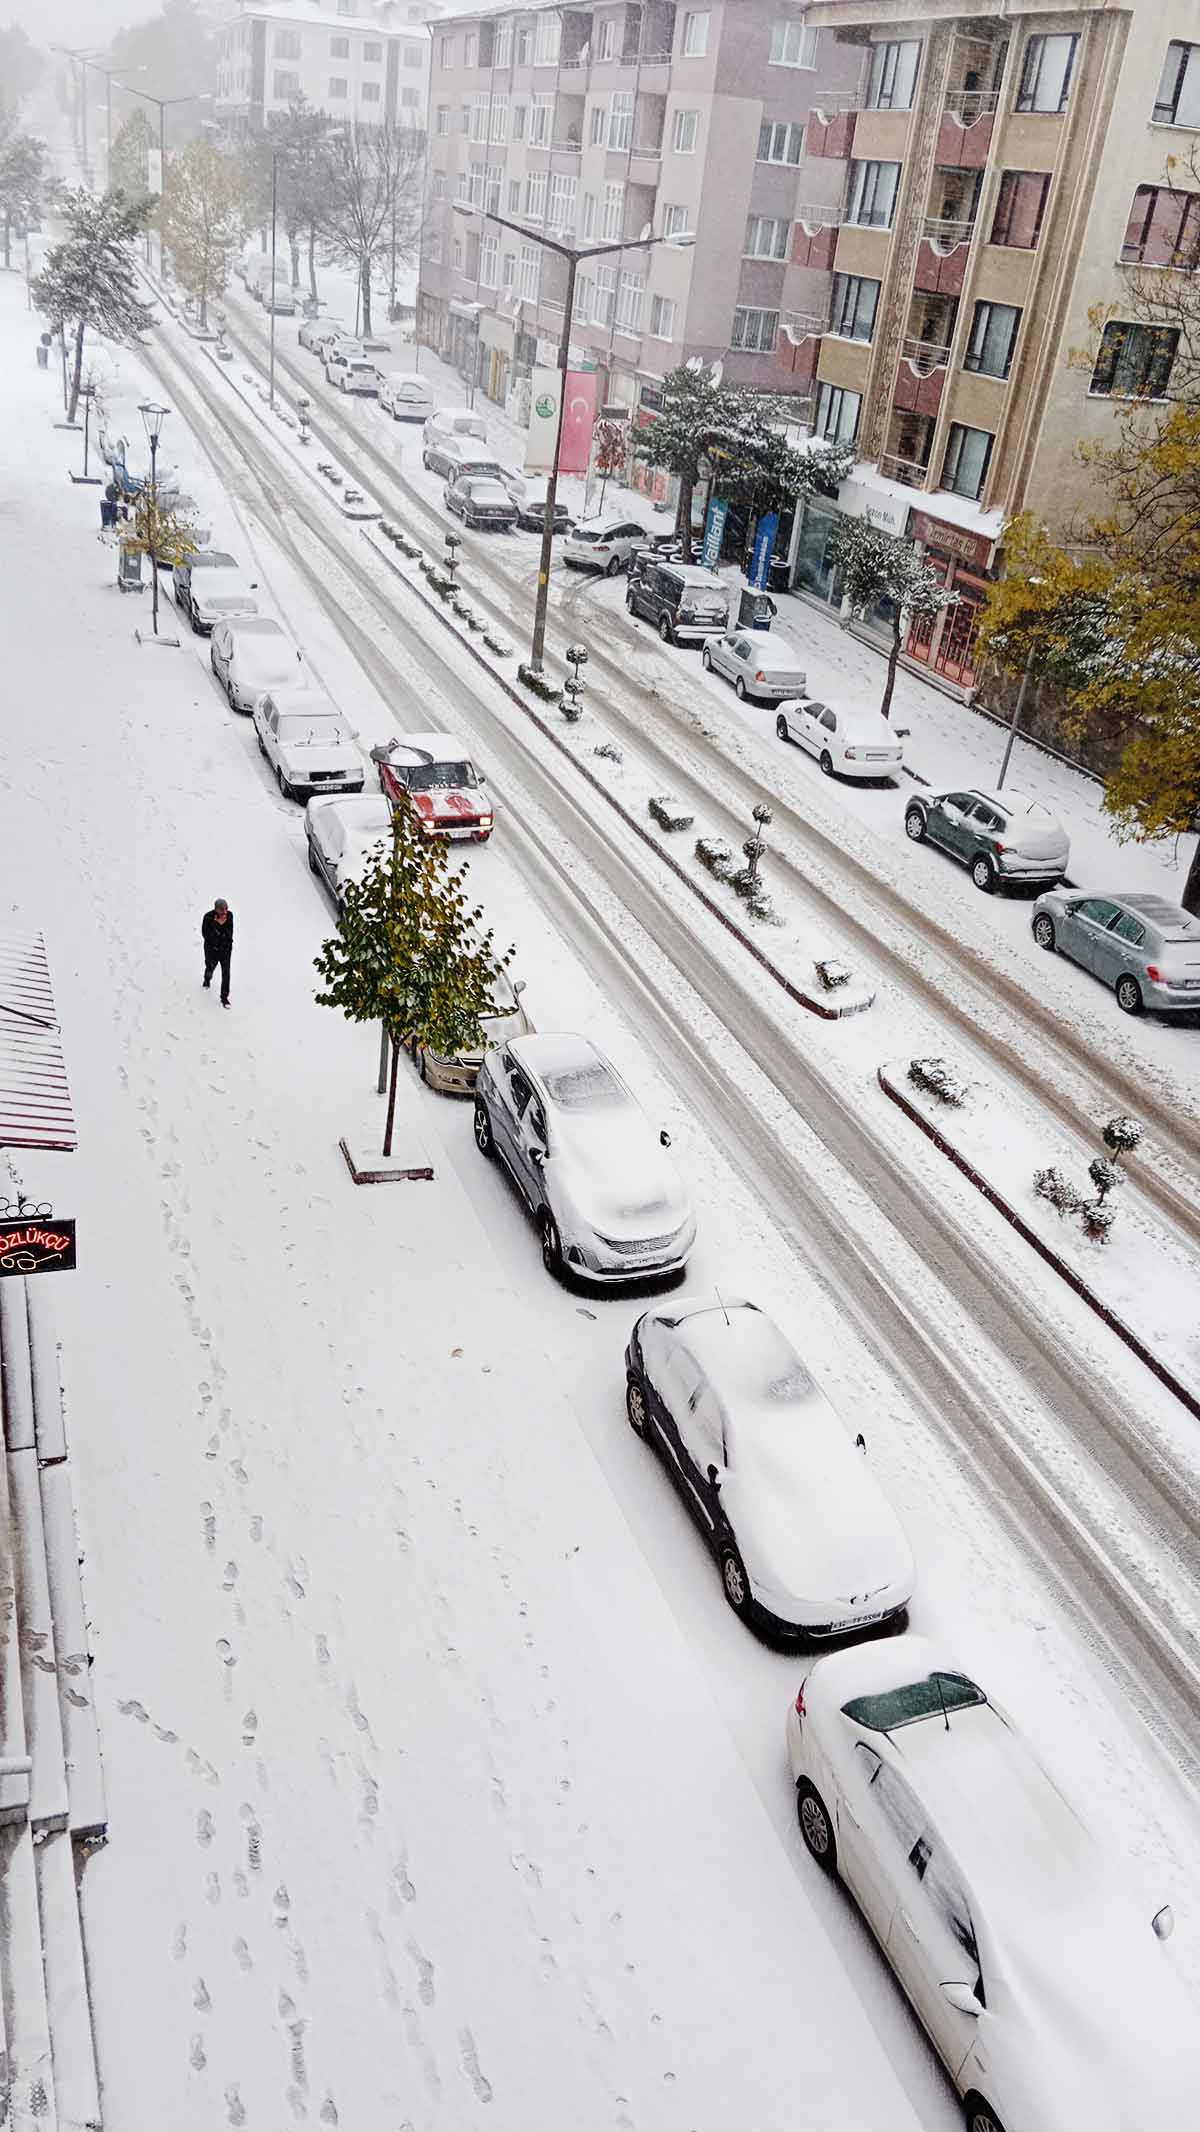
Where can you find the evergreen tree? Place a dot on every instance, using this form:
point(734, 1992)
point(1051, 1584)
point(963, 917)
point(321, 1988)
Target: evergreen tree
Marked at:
point(22, 181)
point(696, 414)
point(376, 176)
point(21, 68)
point(408, 952)
point(88, 281)
point(201, 217)
point(874, 566)
point(130, 168)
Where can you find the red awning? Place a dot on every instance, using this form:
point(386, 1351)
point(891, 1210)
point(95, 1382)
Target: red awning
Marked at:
point(35, 1100)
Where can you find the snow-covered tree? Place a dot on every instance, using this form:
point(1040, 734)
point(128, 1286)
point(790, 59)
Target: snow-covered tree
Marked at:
point(408, 952)
point(1121, 1135)
point(376, 177)
point(201, 218)
point(695, 412)
point(22, 180)
point(303, 152)
point(87, 283)
point(21, 68)
point(131, 151)
point(873, 566)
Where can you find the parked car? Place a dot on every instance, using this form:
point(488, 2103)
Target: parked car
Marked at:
point(341, 834)
point(1147, 949)
point(405, 396)
point(307, 743)
point(607, 547)
point(347, 367)
point(209, 596)
point(853, 743)
point(529, 493)
point(481, 500)
point(277, 295)
point(433, 774)
point(202, 559)
point(318, 334)
point(760, 664)
point(1001, 839)
point(249, 656)
point(458, 1076)
point(606, 1197)
point(253, 271)
point(683, 601)
point(806, 1540)
point(447, 422)
point(454, 455)
point(1020, 1940)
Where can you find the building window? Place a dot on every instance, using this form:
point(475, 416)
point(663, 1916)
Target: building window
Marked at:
point(767, 237)
point(464, 119)
point(675, 221)
point(1020, 206)
point(754, 332)
point(620, 118)
point(606, 295)
point(968, 455)
point(589, 215)
point(837, 414)
point(457, 256)
point(683, 136)
point(287, 44)
point(993, 338)
point(442, 126)
point(347, 7)
point(373, 55)
point(435, 248)
point(509, 270)
point(529, 273)
point(524, 45)
point(535, 196)
point(547, 39)
point(514, 196)
point(873, 188)
point(1046, 72)
point(562, 202)
point(412, 55)
point(518, 129)
point(662, 318)
point(470, 49)
point(339, 86)
point(493, 174)
point(629, 302)
point(339, 48)
point(614, 213)
point(855, 301)
point(596, 125)
point(695, 34)
point(499, 127)
point(584, 294)
point(370, 92)
point(1164, 229)
point(410, 98)
point(439, 184)
point(502, 50)
point(285, 86)
point(893, 76)
point(1178, 99)
point(792, 45)
point(460, 185)
point(479, 118)
point(541, 121)
point(780, 141)
point(489, 260)
point(475, 187)
point(606, 39)
point(1134, 362)
point(445, 51)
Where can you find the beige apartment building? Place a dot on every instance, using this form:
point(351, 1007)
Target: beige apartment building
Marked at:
point(597, 120)
point(1002, 168)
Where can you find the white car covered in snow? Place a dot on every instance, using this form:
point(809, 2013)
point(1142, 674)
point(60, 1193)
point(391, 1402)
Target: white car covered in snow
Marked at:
point(1020, 1940)
point(606, 547)
point(608, 1201)
point(341, 834)
point(847, 742)
point(805, 1538)
point(405, 396)
point(250, 655)
point(307, 743)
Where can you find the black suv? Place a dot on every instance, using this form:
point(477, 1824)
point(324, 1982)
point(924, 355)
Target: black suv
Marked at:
point(684, 601)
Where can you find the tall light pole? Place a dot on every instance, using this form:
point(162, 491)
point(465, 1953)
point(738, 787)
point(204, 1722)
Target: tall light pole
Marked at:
point(164, 104)
point(573, 256)
point(152, 416)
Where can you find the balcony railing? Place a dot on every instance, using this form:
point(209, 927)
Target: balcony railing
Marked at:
point(815, 218)
point(942, 230)
point(800, 326)
point(909, 472)
point(830, 103)
point(969, 104)
point(925, 356)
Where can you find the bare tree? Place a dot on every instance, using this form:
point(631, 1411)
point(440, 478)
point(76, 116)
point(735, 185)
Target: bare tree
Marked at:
point(376, 176)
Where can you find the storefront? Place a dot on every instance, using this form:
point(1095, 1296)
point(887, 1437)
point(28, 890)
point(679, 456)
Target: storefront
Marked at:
point(812, 568)
point(945, 644)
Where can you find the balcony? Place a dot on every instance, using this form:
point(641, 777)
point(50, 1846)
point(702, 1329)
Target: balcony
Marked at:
point(814, 236)
point(831, 125)
point(798, 346)
point(921, 377)
point(965, 132)
point(908, 472)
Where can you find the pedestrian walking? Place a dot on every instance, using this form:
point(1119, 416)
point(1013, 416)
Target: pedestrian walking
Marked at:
point(216, 931)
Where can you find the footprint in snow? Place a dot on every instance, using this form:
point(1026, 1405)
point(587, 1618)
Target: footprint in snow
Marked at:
point(230, 1577)
point(226, 1651)
point(197, 2055)
point(235, 2108)
point(242, 1955)
point(179, 1943)
point(249, 1728)
point(200, 1997)
point(134, 1709)
point(469, 2060)
point(205, 1828)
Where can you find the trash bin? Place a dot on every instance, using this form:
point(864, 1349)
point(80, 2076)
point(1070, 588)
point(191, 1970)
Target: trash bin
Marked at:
point(43, 356)
point(129, 568)
point(756, 610)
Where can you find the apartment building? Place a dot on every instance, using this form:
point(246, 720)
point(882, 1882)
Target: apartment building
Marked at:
point(367, 64)
point(1003, 168)
point(594, 121)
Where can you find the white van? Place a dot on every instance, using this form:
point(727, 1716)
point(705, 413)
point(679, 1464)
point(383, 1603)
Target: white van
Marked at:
point(405, 396)
point(457, 422)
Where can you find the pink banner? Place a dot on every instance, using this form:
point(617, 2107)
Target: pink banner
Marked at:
point(579, 415)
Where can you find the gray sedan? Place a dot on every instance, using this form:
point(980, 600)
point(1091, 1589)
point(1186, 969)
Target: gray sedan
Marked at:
point(1148, 950)
point(758, 663)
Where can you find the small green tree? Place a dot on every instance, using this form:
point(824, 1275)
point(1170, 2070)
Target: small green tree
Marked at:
point(88, 280)
point(875, 566)
point(408, 952)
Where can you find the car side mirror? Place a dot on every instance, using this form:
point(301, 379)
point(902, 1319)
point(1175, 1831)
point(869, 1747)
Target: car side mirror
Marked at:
point(860, 1442)
point(715, 1476)
point(382, 751)
point(962, 1997)
point(664, 1138)
point(518, 987)
point(538, 1155)
point(1162, 1924)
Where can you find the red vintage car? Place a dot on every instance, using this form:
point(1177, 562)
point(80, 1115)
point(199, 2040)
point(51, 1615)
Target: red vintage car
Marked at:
point(433, 774)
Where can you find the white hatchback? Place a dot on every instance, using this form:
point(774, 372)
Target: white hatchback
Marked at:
point(847, 743)
point(606, 547)
point(1022, 1942)
point(404, 396)
point(307, 743)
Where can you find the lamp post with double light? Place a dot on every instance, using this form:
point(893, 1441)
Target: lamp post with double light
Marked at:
point(164, 105)
point(573, 257)
point(152, 415)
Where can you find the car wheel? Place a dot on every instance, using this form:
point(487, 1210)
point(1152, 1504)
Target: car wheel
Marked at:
point(552, 1257)
point(827, 762)
point(739, 689)
point(483, 1132)
point(816, 1826)
point(284, 786)
point(735, 1583)
point(614, 566)
point(630, 603)
point(914, 825)
point(1129, 995)
point(983, 873)
point(665, 630)
point(781, 728)
point(1043, 931)
point(980, 2116)
point(420, 1058)
point(706, 660)
point(312, 861)
point(635, 1406)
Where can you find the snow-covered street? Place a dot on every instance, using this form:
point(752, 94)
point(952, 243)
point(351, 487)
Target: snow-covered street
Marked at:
point(444, 1788)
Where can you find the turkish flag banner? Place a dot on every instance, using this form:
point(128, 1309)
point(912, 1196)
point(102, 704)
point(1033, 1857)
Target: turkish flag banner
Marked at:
point(579, 415)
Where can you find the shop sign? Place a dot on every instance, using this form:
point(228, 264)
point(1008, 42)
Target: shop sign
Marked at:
point(974, 549)
point(764, 549)
point(714, 532)
point(856, 499)
point(651, 398)
point(35, 1245)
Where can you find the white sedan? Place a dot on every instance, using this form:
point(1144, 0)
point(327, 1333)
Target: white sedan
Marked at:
point(759, 664)
point(307, 743)
point(606, 547)
point(249, 656)
point(1026, 1951)
point(848, 743)
point(341, 834)
point(805, 1538)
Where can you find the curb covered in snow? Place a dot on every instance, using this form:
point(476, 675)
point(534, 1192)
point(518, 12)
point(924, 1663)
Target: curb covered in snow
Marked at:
point(1044, 1250)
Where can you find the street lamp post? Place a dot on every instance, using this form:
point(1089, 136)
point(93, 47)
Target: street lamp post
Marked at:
point(573, 258)
point(152, 416)
point(164, 104)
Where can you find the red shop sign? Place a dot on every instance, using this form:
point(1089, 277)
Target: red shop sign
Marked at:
point(35, 1245)
point(973, 548)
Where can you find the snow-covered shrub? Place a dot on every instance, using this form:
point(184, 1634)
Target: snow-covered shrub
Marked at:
point(831, 976)
point(571, 706)
point(497, 644)
point(1058, 1191)
point(716, 856)
point(934, 1078)
point(1097, 1220)
point(1105, 1175)
point(668, 813)
point(610, 751)
point(1121, 1135)
point(538, 683)
point(749, 884)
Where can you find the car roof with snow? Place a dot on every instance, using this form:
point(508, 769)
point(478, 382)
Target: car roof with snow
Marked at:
point(571, 1070)
point(361, 814)
point(1155, 908)
point(211, 559)
point(1012, 802)
point(229, 589)
point(299, 697)
point(744, 1356)
point(255, 625)
point(774, 654)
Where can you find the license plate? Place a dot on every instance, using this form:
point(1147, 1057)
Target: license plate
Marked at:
point(877, 755)
point(853, 1621)
point(455, 836)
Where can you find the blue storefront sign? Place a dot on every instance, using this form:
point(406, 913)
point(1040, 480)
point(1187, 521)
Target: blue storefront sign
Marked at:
point(714, 532)
point(764, 549)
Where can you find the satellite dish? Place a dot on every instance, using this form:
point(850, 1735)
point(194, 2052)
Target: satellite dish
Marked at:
point(695, 362)
point(645, 232)
point(718, 371)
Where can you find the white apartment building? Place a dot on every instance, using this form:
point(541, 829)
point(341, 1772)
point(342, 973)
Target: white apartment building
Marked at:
point(357, 61)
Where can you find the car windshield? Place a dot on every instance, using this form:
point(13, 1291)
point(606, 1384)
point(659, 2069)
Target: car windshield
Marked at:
point(436, 776)
point(590, 1085)
point(227, 602)
point(936, 1696)
point(211, 559)
point(317, 726)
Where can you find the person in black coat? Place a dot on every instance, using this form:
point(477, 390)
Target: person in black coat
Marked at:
point(216, 931)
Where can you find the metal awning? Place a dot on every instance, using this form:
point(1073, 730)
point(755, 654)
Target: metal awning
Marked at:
point(35, 1099)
